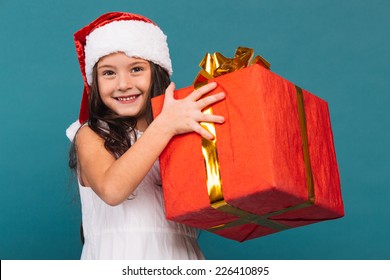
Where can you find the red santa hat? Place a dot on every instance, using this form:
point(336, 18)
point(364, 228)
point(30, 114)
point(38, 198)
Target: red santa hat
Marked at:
point(132, 34)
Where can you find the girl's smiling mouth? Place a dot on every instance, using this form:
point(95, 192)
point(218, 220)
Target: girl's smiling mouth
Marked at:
point(127, 98)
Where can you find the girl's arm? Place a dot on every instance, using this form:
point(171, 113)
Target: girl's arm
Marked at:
point(113, 180)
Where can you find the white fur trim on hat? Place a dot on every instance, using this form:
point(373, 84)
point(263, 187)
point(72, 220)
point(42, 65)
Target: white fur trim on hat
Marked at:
point(133, 37)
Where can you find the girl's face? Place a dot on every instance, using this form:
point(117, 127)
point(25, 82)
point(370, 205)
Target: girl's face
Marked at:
point(124, 85)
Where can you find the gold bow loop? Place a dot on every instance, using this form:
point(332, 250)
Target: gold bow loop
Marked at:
point(215, 65)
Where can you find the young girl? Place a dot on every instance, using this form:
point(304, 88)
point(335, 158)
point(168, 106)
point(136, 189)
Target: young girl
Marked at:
point(124, 60)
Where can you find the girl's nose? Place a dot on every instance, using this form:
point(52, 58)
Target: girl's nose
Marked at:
point(124, 82)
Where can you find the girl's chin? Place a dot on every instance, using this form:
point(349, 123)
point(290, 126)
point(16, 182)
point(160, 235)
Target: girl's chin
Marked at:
point(131, 114)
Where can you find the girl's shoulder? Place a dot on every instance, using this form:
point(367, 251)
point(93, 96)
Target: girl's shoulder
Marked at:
point(90, 146)
point(86, 134)
point(74, 129)
point(77, 130)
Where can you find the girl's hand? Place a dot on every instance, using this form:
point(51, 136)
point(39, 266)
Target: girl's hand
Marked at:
point(185, 115)
point(114, 180)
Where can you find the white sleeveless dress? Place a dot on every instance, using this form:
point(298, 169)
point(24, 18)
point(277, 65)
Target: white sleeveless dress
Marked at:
point(137, 228)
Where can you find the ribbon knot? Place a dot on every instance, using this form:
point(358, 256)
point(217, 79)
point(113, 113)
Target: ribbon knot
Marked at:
point(215, 65)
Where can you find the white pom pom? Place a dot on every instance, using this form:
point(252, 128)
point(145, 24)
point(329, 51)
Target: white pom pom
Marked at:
point(72, 130)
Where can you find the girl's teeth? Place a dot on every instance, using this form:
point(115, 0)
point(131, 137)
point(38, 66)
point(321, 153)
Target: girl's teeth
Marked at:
point(126, 98)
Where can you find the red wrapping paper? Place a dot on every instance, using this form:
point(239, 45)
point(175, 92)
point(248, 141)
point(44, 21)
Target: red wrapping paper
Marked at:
point(260, 155)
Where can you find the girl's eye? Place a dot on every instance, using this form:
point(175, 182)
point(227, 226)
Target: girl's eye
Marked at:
point(108, 73)
point(136, 69)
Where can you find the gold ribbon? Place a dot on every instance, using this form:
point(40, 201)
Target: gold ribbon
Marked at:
point(213, 66)
point(216, 65)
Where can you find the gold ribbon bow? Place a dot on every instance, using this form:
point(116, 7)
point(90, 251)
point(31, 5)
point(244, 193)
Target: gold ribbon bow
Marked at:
point(214, 66)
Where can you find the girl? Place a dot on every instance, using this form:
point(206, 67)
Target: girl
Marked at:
point(124, 60)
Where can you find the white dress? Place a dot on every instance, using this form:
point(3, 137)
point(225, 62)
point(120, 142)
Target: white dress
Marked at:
point(137, 228)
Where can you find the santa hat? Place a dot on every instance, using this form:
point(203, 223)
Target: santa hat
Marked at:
point(132, 34)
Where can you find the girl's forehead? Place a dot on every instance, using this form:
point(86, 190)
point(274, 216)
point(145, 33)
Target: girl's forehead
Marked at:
point(120, 58)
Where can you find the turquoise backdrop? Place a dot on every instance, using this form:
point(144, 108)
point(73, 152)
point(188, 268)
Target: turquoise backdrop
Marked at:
point(339, 50)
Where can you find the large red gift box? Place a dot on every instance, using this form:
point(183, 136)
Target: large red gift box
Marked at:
point(275, 157)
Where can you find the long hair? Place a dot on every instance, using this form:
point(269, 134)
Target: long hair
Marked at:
point(117, 131)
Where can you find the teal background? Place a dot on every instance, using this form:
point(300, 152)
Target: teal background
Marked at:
point(339, 50)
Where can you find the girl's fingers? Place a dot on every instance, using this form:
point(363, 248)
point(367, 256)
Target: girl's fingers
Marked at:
point(186, 115)
point(169, 92)
point(204, 132)
point(196, 94)
point(209, 100)
point(212, 118)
